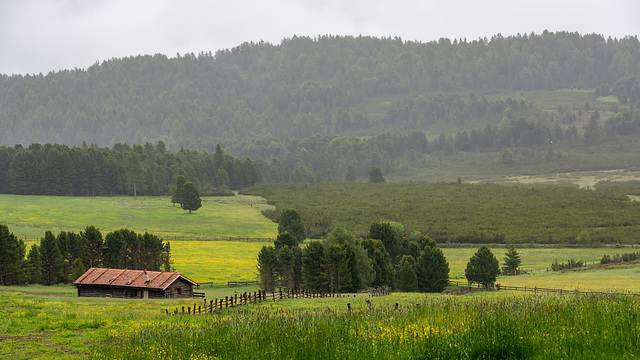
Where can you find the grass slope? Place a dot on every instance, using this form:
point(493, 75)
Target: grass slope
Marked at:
point(30, 216)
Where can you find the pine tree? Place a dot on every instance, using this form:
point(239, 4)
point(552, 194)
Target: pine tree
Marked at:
point(267, 268)
point(291, 222)
point(313, 265)
point(176, 191)
point(135, 173)
point(93, 240)
point(432, 270)
point(51, 259)
point(407, 278)
point(483, 267)
point(34, 265)
point(512, 260)
point(190, 198)
point(12, 252)
point(375, 175)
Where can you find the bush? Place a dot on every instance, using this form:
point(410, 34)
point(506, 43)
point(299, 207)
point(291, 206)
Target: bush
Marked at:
point(571, 264)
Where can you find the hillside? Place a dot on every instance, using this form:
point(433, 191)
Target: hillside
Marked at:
point(307, 108)
point(463, 213)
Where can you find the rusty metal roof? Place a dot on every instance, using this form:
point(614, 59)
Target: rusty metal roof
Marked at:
point(130, 278)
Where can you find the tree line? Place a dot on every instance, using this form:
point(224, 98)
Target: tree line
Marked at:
point(64, 257)
point(387, 256)
point(343, 263)
point(139, 169)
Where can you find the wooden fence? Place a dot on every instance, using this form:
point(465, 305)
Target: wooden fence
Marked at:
point(212, 238)
point(229, 283)
point(536, 289)
point(212, 306)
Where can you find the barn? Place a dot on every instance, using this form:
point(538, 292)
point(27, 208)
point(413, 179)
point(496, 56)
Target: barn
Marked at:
point(129, 284)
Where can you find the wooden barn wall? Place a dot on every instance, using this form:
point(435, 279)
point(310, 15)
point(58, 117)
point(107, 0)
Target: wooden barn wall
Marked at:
point(186, 292)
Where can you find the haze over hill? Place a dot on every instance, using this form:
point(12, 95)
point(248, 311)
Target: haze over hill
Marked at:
point(317, 105)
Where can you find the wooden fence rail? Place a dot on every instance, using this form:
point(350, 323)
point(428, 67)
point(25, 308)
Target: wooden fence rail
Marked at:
point(246, 298)
point(536, 289)
point(212, 238)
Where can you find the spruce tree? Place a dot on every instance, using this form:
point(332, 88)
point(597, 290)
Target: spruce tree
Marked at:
point(407, 278)
point(483, 267)
point(190, 198)
point(291, 222)
point(267, 268)
point(512, 261)
point(432, 270)
point(51, 259)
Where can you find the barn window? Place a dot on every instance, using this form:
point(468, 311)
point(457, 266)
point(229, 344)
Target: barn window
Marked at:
point(179, 291)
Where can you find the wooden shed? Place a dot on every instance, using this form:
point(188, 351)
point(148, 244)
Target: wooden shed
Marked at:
point(119, 283)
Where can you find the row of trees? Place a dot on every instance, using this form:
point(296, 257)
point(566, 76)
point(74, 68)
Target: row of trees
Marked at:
point(63, 258)
point(90, 171)
point(342, 263)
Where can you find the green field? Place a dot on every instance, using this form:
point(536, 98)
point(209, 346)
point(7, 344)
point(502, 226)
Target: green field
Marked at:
point(41, 322)
point(51, 323)
point(222, 261)
point(216, 261)
point(30, 216)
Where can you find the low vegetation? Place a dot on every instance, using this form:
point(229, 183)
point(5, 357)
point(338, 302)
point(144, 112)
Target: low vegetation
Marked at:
point(463, 213)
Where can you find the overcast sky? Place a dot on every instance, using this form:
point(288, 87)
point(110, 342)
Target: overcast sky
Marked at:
point(38, 36)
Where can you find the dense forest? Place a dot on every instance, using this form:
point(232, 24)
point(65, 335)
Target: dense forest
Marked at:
point(92, 171)
point(307, 108)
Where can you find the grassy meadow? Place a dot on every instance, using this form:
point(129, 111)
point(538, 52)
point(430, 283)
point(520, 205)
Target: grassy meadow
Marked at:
point(30, 216)
point(42, 322)
point(496, 325)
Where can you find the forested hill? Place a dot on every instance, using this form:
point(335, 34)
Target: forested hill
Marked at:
point(263, 100)
point(296, 89)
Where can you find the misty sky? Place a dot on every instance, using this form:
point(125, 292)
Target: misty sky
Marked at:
point(38, 36)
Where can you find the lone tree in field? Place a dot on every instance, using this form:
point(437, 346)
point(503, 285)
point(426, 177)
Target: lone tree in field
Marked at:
point(291, 222)
point(375, 175)
point(190, 197)
point(512, 261)
point(483, 267)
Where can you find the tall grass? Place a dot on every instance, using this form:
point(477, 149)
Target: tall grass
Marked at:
point(441, 327)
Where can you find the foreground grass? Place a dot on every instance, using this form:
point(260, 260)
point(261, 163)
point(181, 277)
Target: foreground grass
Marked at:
point(495, 325)
point(30, 216)
point(440, 327)
point(39, 322)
